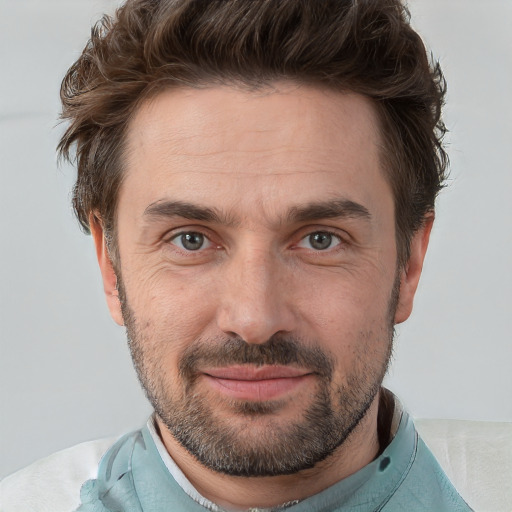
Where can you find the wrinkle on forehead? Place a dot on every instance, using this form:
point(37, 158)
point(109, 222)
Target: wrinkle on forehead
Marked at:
point(219, 120)
point(255, 154)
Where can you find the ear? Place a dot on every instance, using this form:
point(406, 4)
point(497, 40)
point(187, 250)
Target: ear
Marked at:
point(410, 275)
point(107, 270)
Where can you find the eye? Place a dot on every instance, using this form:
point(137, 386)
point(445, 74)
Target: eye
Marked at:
point(191, 241)
point(320, 241)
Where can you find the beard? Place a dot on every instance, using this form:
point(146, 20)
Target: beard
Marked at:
point(252, 441)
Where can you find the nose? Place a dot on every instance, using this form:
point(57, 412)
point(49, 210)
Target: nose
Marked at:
point(256, 300)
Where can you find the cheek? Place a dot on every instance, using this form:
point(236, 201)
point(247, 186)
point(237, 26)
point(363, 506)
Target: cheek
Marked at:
point(350, 315)
point(346, 298)
point(171, 308)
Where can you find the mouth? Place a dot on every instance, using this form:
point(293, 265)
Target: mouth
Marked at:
point(257, 384)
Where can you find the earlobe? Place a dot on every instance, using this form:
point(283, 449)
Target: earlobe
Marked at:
point(107, 269)
point(410, 276)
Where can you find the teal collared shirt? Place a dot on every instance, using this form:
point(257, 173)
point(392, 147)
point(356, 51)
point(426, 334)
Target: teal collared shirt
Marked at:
point(132, 477)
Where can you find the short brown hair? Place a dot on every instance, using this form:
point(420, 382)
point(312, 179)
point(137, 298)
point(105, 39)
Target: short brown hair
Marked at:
point(365, 46)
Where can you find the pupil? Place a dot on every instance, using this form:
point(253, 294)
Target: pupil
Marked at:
point(320, 240)
point(192, 241)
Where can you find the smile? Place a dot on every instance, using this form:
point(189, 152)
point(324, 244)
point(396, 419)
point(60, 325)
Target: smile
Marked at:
point(257, 384)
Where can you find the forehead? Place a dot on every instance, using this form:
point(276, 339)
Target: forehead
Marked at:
point(274, 147)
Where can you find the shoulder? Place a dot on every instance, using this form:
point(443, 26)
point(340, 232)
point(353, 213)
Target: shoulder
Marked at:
point(53, 484)
point(427, 487)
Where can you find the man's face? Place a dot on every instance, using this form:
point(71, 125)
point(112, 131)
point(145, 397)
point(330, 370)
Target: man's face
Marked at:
point(257, 270)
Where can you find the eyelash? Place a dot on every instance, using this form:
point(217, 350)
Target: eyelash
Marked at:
point(333, 236)
point(341, 241)
point(174, 236)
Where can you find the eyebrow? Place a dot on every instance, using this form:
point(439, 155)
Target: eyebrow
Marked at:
point(166, 209)
point(333, 209)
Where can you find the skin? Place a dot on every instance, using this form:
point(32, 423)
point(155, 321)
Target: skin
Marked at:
point(255, 158)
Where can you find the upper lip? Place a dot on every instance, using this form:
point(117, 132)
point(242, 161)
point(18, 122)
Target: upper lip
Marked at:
point(248, 372)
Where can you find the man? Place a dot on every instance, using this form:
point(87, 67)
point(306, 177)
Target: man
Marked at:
point(259, 179)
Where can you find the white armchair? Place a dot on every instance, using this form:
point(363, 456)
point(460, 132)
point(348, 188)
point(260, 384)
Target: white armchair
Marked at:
point(477, 457)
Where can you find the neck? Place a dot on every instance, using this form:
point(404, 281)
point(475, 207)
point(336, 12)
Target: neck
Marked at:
point(241, 493)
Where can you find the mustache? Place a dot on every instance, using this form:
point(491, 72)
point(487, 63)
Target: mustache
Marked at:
point(280, 350)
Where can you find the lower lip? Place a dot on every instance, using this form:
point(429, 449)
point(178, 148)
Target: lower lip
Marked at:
point(257, 390)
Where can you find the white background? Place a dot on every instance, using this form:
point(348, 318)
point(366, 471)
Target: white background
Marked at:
point(65, 372)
